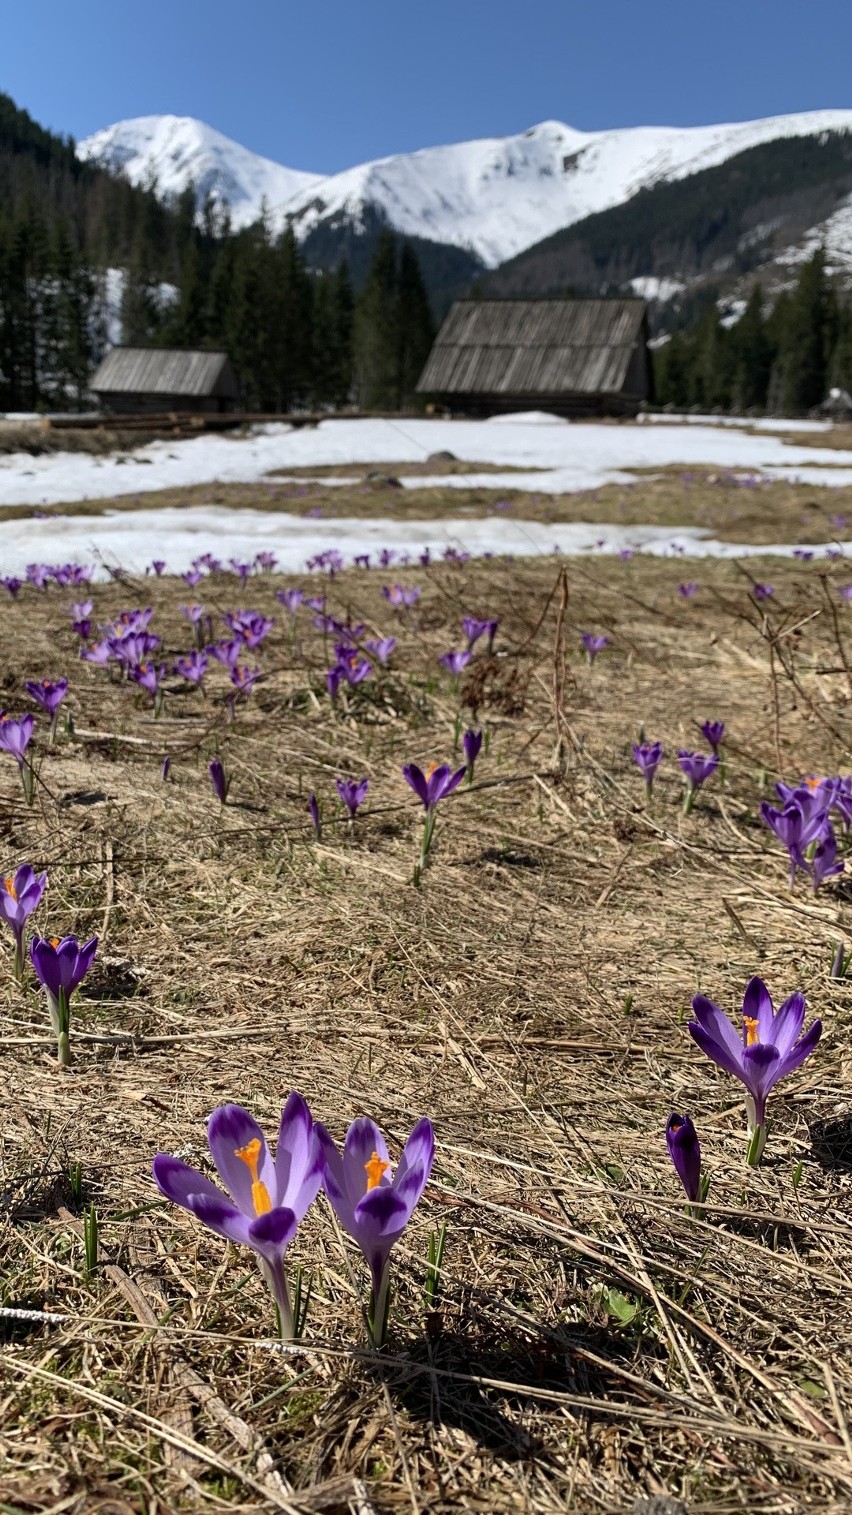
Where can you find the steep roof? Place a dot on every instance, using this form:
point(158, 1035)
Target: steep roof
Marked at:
point(529, 347)
point(166, 371)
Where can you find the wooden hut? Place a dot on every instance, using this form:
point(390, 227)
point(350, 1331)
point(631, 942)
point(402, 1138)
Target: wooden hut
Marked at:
point(156, 380)
point(572, 357)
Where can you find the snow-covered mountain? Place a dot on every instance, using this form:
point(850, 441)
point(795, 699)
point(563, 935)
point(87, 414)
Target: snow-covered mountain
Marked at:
point(495, 196)
point(177, 151)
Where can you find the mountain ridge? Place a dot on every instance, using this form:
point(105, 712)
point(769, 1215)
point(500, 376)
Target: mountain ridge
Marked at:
point(491, 197)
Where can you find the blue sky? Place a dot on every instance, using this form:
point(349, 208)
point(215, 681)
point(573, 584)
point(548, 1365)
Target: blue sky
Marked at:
point(322, 84)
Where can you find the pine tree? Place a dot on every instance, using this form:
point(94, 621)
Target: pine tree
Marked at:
point(415, 326)
point(376, 331)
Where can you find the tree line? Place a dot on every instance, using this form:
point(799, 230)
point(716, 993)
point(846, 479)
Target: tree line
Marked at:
point(782, 358)
point(72, 236)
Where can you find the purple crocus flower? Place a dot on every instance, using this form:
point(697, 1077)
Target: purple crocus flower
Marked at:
point(227, 653)
point(218, 778)
point(59, 967)
point(399, 596)
point(193, 613)
point(291, 599)
point(332, 681)
point(266, 561)
point(192, 668)
point(801, 824)
point(472, 744)
point(373, 1207)
point(697, 768)
point(454, 662)
point(47, 693)
point(769, 1048)
point(685, 1153)
point(473, 630)
point(244, 678)
point(149, 676)
point(97, 652)
point(647, 756)
point(763, 591)
point(434, 785)
point(20, 894)
point(15, 735)
point(13, 585)
point(314, 812)
point(242, 570)
point(192, 577)
point(593, 644)
point(266, 1200)
point(687, 591)
point(165, 768)
point(382, 650)
point(354, 669)
point(158, 565)
point(714, 733)
point(352, 794)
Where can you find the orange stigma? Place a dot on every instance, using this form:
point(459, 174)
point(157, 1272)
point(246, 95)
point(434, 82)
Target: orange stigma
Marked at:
point(813, 783)
point(9, 886)
point(433, 768)
point(750, 1023)
point(250, 1155)
point(54, 941)
point(375, 1170)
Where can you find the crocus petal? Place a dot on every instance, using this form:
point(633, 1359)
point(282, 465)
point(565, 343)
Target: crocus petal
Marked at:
point(803, 1049)
point(417, 779)
point(229, 1129)
point(362, 1139)
point(788, 1023)
point(716, 1024)
point(757, 1005)
point(381, 1214)
point(177, 1180)
point(334, 1179)
point(419, 1152)
point(716, 1050)
point(762, 1067)
point(223, 1218)
point(272, 1233)
point(295, 1148)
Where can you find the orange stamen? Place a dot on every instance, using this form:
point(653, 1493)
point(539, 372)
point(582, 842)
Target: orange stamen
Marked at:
point(54, 941)
point(250, 1155)
point(813, 784)
point(9, 886)
point(433, 768)
point(375, 1170)
point(752, 1038)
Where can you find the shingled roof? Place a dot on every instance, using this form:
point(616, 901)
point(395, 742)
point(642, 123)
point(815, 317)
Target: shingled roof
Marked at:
point(166, 371)
point(535, 347)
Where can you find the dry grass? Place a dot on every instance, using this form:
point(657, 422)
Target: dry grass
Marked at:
point(592, 1343)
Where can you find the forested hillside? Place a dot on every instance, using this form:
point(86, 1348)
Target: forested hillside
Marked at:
point(713, 227)
point(297, 334)
point(783, 358)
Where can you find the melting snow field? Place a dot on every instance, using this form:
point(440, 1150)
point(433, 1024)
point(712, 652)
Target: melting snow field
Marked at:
point(133, 539)
point(560, 456)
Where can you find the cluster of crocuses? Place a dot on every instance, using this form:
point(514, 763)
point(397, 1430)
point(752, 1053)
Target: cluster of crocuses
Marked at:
point(696, 767)
point(41, 575)
point(60, 964)
point(803, 823)
point(267, 1198)
point(766, 1048)
point(457, 659)
point(129, 643)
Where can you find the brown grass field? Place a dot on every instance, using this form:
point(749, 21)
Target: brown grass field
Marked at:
point(592, 1345)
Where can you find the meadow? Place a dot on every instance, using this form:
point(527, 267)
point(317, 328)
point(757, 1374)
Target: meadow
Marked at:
point(568, 1329)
